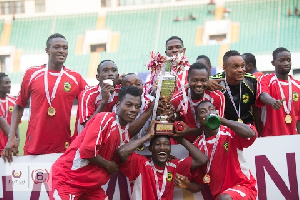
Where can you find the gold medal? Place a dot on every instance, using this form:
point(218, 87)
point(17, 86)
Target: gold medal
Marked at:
point(206, 178)
point(51, 111)
point(288, 119)
point(240, 120)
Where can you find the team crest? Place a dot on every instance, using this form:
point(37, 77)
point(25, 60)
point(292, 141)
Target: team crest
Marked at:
point(10, 108)
point(226, 144)
point(67, 86)
point(295, 96)
point(67, 145)
point(169, 176)
point(245, 98)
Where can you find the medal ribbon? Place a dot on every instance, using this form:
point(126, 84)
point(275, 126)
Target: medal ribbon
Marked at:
point(5, 112)
point(192, 104)
point(163, 187)
point(212, 152)
point(287, 108)
point(55, 85)
point(122, 131)
point(232, 101)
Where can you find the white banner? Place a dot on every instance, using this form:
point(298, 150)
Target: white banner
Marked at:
point(273, 161)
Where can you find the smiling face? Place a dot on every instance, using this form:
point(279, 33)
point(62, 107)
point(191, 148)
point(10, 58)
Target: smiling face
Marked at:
point(107, 70)
point(57, 50)
point(235, 69)
point(282, 62)
point(198, 79)
point(173, 47)
point(128, 108)
point(161, 149)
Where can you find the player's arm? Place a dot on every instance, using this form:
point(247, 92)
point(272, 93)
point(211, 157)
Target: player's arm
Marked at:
point(188, 131)
point(4, 126)
point(125, 150)
point(214, 84)
point(12, 143)
point(110, 166)
point(239, 128)
point(184, 183)
point(137, 124)
point(199, 158)
point(257, 119)
point(268, 100)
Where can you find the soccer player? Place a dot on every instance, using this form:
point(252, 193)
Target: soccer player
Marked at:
point(153, 178)
point(206, 61)
point(197, 92)
point(99, 98)
point(239, 90)
point(87, 164)
point(278, 95)
point(250, 64)
point(227, 172)
point(7, 104)
point(51, 89)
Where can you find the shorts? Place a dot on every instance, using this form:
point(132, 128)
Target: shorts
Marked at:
point(241, 193)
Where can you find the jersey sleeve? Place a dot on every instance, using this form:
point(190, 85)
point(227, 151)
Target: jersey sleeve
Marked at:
point(241, 142)
point(82, 85)
point(262, 86)
point(86, 107)
point(133, 166)
point(184, 166)
point(175, 101)
point(96, 131)
point(24, 94)
point(219, 102)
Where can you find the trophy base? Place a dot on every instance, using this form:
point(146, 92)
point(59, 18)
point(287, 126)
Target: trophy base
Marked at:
point(164, 128)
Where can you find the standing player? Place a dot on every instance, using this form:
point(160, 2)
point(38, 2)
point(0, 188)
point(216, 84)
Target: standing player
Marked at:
point(250, 64)
point(239, 90)
point(7, 104)
point(197, 92)
point(206, 61)
point(278, 95)
point(51, 89)
point(86, 166)
point(153, 178)
point(99, 98)
point(227, 173)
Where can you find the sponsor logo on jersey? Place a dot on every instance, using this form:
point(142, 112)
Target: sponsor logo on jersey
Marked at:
point(67, 86)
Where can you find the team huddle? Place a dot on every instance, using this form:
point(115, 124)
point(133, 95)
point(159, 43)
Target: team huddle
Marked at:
point(114, 120)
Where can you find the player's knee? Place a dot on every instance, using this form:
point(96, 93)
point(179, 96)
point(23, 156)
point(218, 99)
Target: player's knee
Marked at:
point(224, 197)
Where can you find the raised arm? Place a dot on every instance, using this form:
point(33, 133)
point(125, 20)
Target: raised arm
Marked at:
point(125, 150)
point(199, 158)
point(12, 143)
point(239, 128)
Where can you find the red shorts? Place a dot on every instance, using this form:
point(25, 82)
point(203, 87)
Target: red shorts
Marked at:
point(66, 192)
point(241, 193)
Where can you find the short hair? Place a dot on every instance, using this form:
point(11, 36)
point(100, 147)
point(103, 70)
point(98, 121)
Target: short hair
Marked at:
point(103, 61)
point(198, 66)
point(250, 58)
point(132, 90)
point(200, 103)
point(174, 38)
point(205, 58)
point(2, 75)
point(277, 51)
point(55, 35)
point(129, 74)
point(228, 54)
point(155, 137)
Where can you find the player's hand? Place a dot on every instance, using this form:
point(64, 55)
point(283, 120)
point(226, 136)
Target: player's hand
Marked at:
point(112, 167)
point(151, 131)
point(180, 133)
point(276, 104)
point(106, 90)
point(214, 84)
point(10, 149)
point(182, 181)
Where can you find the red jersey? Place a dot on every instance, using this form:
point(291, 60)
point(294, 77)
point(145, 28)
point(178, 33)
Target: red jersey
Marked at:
point(49, 134)
point(215, 97)
point(140, 172)
point(7, 105)
point(99, 137)
point(228, 167)
point(88, 102)
point(273, 121)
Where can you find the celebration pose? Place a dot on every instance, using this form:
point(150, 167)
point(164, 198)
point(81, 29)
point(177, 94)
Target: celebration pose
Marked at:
point(278, 95)
point(51, 89)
